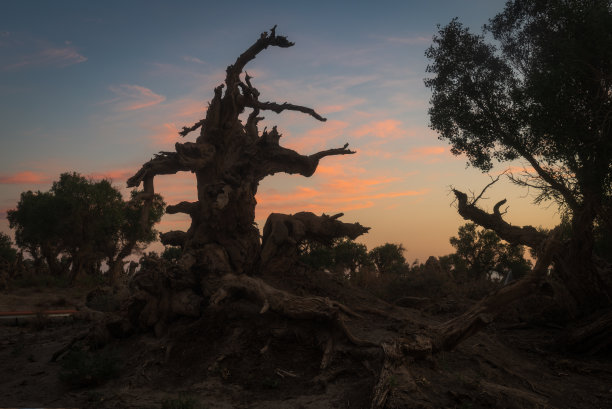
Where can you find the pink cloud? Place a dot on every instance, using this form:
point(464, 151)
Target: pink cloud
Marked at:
point(415, 40)
point(330, 109)
point(387, 129)
point(338, 170)
point(134, 97)
point(354, 185)
point(25, 177)
point(166, 134)
point(54, 57)
point(319, 137)
point(428, 154)
point(114, 175)
point(335, 195)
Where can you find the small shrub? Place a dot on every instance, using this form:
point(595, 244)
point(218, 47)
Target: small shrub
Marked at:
point(84, 368)
point(102, 299)
point(182, 402)
point(42, 280)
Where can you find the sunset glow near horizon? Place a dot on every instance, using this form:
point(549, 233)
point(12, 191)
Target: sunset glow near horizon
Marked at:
point(99, 87)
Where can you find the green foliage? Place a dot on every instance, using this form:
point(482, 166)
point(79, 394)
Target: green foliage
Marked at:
point(389, 258)
point(84, 220)
point(172, 253)
point(341, 256)
point(480, 251)
point(85, 368)
point(7, 253)
point(37, 224)
point(536, 85)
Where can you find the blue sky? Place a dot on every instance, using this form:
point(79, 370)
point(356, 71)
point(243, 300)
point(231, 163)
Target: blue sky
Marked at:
point(98, 87)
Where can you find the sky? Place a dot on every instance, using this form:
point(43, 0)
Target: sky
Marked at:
point(98, 87)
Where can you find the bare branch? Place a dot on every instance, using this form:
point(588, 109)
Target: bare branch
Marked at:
point(182, 207)
point(279, 159)
point(557, 185)
point(493, 181)
point(526, 235)
point(192, 128)
point(264, 41)
point(164, 163)
point(173, 238)
point(330, 152)
point(278, 108)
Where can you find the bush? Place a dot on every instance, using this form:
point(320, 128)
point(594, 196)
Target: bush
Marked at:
point(182, 402)
point(85, 368)
point(41, 280)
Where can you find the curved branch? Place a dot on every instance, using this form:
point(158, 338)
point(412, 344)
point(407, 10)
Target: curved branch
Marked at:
point(264, 41)
point(526, 235)
point(332, 152)
point(278, 108)
point(164, 163)
point(173, 238)
point(278, 159)
point(192, 128)
point(183, 207)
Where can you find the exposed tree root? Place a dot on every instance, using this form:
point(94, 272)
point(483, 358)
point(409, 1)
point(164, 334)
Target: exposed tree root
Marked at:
point(293, 306)
point(480, 315)
point(593, 337)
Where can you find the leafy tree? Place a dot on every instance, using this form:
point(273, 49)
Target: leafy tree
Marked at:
point(536, 86)
point(481, 251)
point(8, 254)
point(351, 256)
point(134, 230)
point(340, 256)
point(37, 223)
point(172, 253)
point(389, 258)
point(85, 220)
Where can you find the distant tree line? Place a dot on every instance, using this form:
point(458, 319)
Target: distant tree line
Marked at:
point(479, 254)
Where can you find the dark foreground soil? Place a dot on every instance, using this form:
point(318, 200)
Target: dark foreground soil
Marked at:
point(235, 357)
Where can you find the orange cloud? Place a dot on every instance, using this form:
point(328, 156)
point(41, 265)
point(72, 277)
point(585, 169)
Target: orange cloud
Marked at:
point(114, 175)
point(319, 137)
point(387, 129)
point(330, 109)
point(353, 185)
point(338, 170)
point(134, 97)
point(428, 154)
point(518, 169)
point(166, 134)
point(26, 177)
point(336, 195)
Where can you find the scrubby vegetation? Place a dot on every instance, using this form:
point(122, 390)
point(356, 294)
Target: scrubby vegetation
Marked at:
point(80, 368)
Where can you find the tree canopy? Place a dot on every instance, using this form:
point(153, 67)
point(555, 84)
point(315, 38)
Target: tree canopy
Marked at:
point(7, 253)
point(480, 252)
point(541, 92)
point(536, 85)
point(85, 220)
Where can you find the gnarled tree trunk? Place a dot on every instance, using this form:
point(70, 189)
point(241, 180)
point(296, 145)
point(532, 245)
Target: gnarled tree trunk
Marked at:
point(229, 160)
